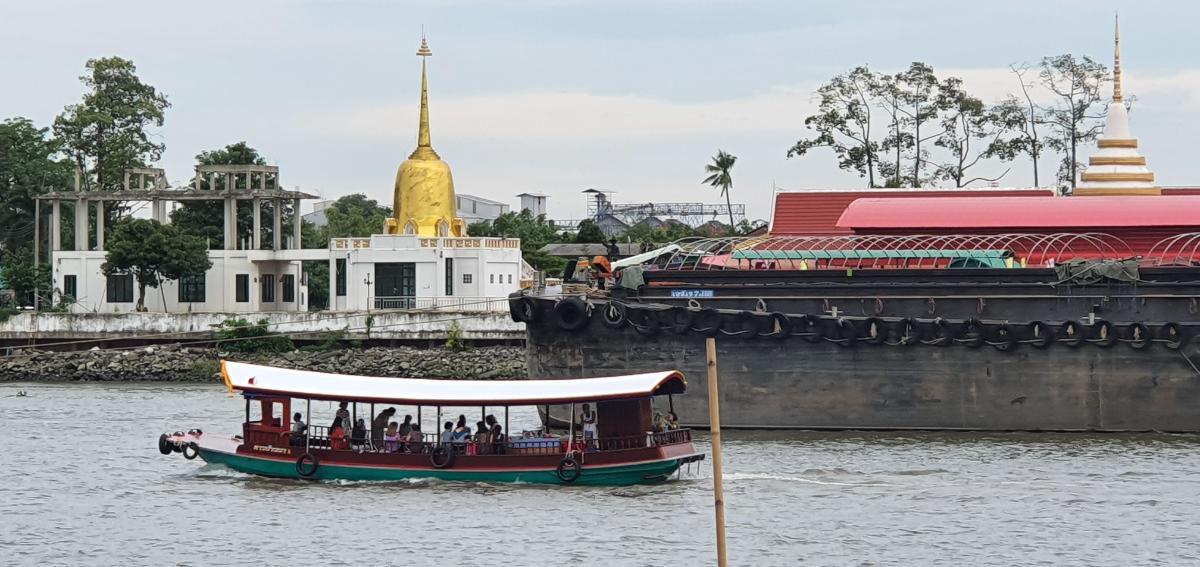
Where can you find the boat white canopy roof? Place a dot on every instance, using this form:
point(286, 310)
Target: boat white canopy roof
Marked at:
point(269, 380)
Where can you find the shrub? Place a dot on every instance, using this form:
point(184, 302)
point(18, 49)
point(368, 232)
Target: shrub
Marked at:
point(239, 335)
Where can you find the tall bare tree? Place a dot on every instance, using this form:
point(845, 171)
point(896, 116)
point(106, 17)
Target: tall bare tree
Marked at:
point(970, 130)
point(843, 123)
point(1021, 118)
point(1075, 83)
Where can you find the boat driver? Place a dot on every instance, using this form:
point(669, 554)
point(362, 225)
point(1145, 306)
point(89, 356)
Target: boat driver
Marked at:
point(588, 418)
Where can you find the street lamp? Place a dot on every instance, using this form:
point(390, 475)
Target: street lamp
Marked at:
point(367, 280)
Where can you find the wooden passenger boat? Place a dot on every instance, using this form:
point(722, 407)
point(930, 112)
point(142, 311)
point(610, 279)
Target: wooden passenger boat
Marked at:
point(624, 451)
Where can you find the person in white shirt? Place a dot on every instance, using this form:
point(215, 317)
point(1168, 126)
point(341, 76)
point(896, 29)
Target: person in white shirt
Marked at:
point(588, 419)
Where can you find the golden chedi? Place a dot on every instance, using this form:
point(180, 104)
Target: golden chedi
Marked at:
point(424, 202)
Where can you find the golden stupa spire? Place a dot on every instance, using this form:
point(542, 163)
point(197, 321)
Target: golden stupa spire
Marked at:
point(1117, 97)
point(424, 148)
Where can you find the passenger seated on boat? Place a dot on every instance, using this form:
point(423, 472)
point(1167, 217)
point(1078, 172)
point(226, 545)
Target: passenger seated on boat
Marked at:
point(660, 422)
point(672, 421)
point(497, 439)
point(406, 426)
point(447, 432)
point(379, 424)
point(299, 430)
point(358, 435)
point(480, 444)
point(414, 443)
point(462, 433)
point(391, 438)
point(342, 417)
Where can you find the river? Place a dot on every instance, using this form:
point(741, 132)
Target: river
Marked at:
point(84, 484)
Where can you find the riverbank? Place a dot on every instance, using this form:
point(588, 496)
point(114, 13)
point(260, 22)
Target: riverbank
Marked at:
point(173, 363)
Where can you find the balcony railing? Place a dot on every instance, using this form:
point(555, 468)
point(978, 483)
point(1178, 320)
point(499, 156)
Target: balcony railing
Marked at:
point(452, 303)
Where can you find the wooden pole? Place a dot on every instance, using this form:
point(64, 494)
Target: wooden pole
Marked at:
point(714, 420)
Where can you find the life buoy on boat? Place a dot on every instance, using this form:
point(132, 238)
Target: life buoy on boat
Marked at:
point(1039, 334)
point(1139, 336)
point(1070, 333)
point(681, 319)
point(973, 333)
point(164, 444)
point(441, 457)
point(612, 315)
point(569, 469)
point(307, 465)
point(191, 450)
point(775, 324)
point(522, 309)
point(571, 314)
point(1173, 336)
point(1103, 333)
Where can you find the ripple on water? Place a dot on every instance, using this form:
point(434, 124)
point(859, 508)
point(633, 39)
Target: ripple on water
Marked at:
point(831, 498)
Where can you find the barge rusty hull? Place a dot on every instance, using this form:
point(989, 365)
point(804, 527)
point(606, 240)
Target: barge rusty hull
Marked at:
point(793, 383)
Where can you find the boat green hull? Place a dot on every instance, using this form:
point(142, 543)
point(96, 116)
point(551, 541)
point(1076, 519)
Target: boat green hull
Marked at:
point(609, 475)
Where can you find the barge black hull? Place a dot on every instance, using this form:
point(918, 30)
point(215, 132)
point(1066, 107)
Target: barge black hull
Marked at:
point(1103, 374)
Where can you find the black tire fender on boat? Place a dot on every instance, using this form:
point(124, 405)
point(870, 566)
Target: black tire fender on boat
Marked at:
point(164, 444)
point(1173, 336)
point(874, 331)
point(1039, 334)
point(1070, 333)
point(847, 334)
point(644, 321)
point(908, 331)
point(522, 309)
point(807, 327)
point(1103, 333)
point(571, 314)
point(940, 332)
point(191, 450)
point(775, 324)
point(1005, 338)
point(741, 324)
point(613, 315)
point(681, 319)
point(708, 322)
point(307, 465)
point(569, 470)
point(1139, 336)
point(441, 457)
point(973, 333)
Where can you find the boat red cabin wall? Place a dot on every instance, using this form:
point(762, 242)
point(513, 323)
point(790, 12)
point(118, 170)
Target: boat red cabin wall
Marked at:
point(624, 418)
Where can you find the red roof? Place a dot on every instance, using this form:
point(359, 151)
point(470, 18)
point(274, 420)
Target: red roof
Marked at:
point(1021, 213)
point(817, 212)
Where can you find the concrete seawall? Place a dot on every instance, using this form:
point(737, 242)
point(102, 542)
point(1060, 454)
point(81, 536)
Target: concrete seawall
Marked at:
point(384, 325)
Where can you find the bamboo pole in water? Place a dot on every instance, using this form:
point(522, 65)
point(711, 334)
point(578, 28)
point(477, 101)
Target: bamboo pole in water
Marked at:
point(714, 419)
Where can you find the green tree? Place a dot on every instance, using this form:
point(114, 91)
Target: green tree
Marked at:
point(971, 132)
point(721, 176)
point(153, 253)
point(1020, 118)
point(589, 233)
point(843, 123)
point(919, 94)
point(1075, 84)
point(24, 279)
point(30, 164)
point(206, 219)
point(354, 216)
point(109, 130)
point(534, 232)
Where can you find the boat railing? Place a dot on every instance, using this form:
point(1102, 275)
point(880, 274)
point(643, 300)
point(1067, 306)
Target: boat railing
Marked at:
point(319, 437)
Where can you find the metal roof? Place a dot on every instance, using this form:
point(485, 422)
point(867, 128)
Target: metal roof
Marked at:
point(1022, 213)
point(269, 380)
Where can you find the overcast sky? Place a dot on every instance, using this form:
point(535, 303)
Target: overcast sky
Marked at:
point(559, 96)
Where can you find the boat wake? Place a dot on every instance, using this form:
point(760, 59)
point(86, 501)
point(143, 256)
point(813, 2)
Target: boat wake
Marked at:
point(789, 478)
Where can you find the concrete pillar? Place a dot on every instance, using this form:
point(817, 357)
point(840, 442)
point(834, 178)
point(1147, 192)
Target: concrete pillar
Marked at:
point(257, 223)
point(56, 225)
point(230, 223)
point(126, 184)
point(99, 225)
point(296, 221)
point(277, 223)
point(81, 224)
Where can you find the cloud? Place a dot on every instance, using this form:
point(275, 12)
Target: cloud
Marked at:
point(545, 115)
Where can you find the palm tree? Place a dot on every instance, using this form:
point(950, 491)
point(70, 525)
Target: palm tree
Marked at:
point(720, 177)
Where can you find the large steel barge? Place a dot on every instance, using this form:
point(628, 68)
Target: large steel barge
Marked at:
point(939, 334)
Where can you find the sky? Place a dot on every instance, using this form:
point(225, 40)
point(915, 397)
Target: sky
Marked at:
point(556, 97)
